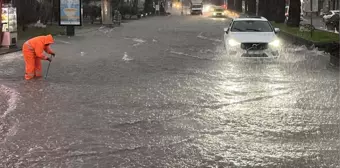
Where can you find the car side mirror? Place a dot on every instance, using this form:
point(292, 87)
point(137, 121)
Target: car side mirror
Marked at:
point(276, 30)
point(226, 30)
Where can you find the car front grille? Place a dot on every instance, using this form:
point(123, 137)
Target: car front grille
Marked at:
point(254, 46)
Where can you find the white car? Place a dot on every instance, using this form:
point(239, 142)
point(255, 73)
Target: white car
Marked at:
point(252, 37)
point(329, 14)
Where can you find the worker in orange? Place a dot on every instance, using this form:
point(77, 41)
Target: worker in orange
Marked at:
point(33, 51)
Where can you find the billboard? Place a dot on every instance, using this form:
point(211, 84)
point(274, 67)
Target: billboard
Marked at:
point(70, 13)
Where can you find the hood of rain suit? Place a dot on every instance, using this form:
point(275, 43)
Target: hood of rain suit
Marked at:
point(48, 39)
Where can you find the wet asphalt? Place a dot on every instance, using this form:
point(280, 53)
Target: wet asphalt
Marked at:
point(161, 92)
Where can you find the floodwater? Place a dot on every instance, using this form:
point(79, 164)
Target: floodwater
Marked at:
point(160, 92)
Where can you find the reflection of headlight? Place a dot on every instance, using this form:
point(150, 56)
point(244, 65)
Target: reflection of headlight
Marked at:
point(275, 43)
point(233, 43)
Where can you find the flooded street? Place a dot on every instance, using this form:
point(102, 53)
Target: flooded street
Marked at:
point(161, 92)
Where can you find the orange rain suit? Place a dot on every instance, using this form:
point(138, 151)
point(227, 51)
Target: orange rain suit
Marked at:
point(33, 52)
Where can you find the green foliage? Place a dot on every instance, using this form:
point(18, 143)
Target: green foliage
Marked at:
point(318, 35)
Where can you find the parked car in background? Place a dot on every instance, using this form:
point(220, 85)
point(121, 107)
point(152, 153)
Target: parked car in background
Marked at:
point(218, 12)
point(329, 14)
point(332, 23)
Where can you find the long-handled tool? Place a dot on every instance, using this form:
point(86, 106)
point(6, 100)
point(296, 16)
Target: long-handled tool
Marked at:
point(48, 68)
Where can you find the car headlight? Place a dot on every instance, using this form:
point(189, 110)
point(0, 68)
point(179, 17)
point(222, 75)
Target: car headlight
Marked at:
point(275, 43)
point(214, 13)
point(233, 42)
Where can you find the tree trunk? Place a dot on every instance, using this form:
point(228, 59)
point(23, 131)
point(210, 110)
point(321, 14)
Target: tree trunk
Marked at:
point(27, 12)
point(238, 5)
point(262, 7)
point(271, 10)
point(280, 11)
point(231, 5)
point(251, 7)
point(246, 6)
point(294, 13)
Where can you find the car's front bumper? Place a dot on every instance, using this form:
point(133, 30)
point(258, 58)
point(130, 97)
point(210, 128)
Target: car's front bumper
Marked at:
point(218, 14)
point(196, 11)
point(265, 53)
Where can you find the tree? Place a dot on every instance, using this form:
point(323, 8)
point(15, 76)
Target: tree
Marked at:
point(231, 5)
point(148, 6)
point(273, 10)
point(294, 13)
point(246, 6)
point(280, 11)
point(45, 11)
point(262, 7)
point(238, 5)
point(86, 1)
point(251, 7)
point(27, 12)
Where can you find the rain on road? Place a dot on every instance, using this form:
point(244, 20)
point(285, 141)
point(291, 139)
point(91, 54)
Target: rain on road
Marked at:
point(160, 92)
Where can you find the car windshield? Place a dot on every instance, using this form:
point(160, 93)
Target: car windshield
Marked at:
point(219, 10)
point(251, 26)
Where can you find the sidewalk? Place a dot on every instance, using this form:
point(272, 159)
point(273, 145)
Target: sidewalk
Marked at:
point(55, 30)
point(51, 29)
point(4, 50)
point(29, 33)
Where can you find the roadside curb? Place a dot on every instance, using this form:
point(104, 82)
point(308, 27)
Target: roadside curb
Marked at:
point(84, 30)
point(299, 40)
point(18, 48)
point(4, 51)
point(334, 61)
point(321, 46)
point(8, 51)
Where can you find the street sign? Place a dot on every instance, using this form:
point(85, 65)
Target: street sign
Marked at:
point(307, 5)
